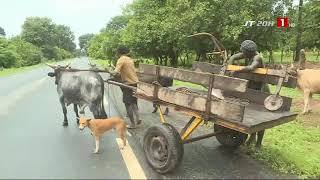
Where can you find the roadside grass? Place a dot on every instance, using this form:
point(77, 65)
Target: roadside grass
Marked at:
point(288, 58)
point(11, 71)
point(188, 84)
point(291, 148)
point(101, 62)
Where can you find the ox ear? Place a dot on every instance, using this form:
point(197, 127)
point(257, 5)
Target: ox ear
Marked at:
point(52, 66)
point(51, 74)
point(88, 119)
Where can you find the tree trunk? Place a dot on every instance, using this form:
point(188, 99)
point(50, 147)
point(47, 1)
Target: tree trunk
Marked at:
point(318, 55)
point(271, 60)
point(156, 59)
point(197, 56)
point(281, 55)
point(166, 61)
point(299, 31)
point(293, 55)
point(302, 59)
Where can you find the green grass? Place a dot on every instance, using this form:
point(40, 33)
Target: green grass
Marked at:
point(293, 93)
point(310, 56)
point(11, 71)
point(187, 84)
point(291, 148)
point(102, 63)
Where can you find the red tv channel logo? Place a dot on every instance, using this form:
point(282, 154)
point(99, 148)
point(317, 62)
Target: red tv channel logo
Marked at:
point(282, 22)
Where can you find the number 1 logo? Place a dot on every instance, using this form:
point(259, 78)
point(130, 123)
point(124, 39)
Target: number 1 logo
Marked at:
point(282, 22)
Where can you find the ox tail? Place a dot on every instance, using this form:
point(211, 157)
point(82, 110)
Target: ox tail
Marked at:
point(103, 113)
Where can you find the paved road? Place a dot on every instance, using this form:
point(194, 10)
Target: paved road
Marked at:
point(35, 145)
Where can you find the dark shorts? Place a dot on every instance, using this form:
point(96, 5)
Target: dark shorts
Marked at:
point(127, 95)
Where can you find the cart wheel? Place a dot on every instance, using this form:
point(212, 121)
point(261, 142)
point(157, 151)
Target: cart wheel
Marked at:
point(230, 138)
point(163, 147)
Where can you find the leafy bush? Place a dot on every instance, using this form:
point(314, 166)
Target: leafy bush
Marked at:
point(8, 57)
point(63, 54)
point(28, 53)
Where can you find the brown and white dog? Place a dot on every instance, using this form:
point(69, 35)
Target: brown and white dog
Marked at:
point(99, 126)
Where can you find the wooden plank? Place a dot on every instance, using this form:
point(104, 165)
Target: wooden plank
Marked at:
point(223, 109)
point(270, 79)
point(258, 97)
point(257, 71)
point(257, 118)
point(220, 82)
point(175, 73)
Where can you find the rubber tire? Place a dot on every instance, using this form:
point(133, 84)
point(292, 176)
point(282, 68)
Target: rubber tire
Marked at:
point(232, 139)
point(174, 146)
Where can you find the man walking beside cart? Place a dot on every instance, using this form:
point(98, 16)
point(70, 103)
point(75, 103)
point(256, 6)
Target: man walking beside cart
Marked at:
point(125, 68)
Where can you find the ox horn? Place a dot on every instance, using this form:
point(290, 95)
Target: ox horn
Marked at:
point(68, 65)
point(52, 66)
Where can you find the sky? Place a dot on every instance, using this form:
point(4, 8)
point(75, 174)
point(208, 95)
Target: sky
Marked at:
point(82, 16)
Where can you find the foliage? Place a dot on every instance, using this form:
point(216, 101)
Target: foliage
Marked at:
point(84, 40)
point(292, 148)
point(311, 28)
point(28, 54)
point(49, 37)
point(64, 37)
point(160, 29)
point(8, 57)
point(2, 32)
point(105, 44)
point(97, 48)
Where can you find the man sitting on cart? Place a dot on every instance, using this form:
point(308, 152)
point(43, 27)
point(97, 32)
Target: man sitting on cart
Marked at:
point(253, 60)
point(125, 67)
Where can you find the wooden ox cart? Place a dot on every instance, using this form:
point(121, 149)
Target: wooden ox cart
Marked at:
point(242, 112)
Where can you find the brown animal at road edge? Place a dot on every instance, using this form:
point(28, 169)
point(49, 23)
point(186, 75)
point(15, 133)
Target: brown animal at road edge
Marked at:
point(308, 81)
point(99, 126)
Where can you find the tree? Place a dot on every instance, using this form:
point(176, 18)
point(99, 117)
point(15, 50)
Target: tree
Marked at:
point(28, 54)
point(96, 47)
point(52, 39)
point(299, 31)
point(311, 25)
point(160, 29)
point(8, 57)
point(64, 38)
point(105, 44)
point(83, 41)
point(38, 31)
point(2, 32)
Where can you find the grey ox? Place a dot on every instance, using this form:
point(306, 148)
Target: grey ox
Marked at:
point(80, 88)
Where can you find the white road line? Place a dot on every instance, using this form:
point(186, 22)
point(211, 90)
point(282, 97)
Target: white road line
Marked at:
point(11, 99)
point(133, 166)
